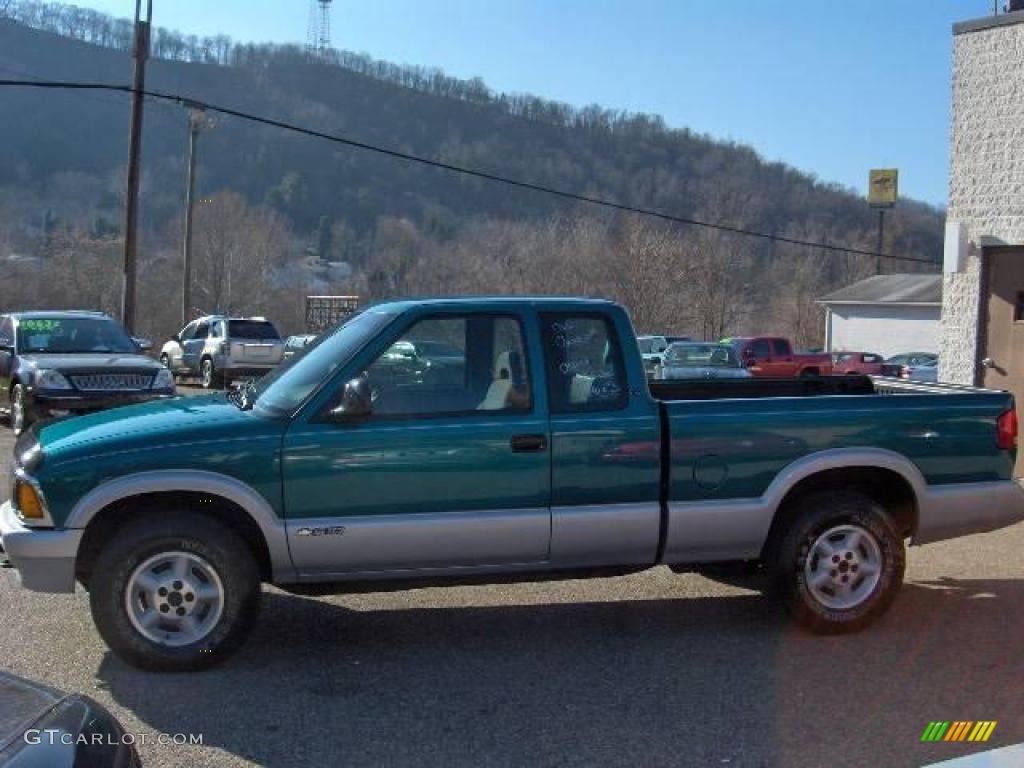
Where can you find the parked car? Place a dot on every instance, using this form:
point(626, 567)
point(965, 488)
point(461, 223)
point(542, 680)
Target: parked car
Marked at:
point(773, 357)
point(652, 349)
point(293, 345)
point(924, 366)
point(62, 363)
point(866, 363)
point(552, 457)
point(41, 726)
point(219, 349)
point(702, 360)
point(675, 339)
point(925, 370)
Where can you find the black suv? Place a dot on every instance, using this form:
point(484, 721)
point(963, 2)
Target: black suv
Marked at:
point(58, 363)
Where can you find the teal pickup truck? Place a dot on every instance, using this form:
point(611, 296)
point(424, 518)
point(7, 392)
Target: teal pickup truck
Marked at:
point(484, 440)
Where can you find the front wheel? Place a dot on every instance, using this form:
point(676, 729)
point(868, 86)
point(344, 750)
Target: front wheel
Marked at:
point(176, 593)
point(22, 415)
point(209, 375)
point(840, 563)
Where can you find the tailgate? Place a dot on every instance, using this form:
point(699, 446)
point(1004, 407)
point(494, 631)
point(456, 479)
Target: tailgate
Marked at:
point(256, 352)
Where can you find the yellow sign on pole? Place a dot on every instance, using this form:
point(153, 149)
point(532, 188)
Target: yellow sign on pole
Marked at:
point(883, 186)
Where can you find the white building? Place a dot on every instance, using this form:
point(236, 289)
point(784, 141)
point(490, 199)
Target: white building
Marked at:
point(885, 314)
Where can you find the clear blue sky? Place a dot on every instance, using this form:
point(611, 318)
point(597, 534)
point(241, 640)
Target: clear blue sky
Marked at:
point(830, 87)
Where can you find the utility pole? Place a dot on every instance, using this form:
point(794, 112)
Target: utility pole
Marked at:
point(140, 53)
point(881, 240)
point(195, 124)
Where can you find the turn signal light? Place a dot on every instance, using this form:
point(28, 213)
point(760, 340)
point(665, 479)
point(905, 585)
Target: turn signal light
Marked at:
point(1006, 430)
point(29, 505)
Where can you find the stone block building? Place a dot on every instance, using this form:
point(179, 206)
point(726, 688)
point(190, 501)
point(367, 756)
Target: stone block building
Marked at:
point(983, 284)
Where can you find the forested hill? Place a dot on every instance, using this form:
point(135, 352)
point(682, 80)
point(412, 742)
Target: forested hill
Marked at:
point(62, 155)
point(633, 159)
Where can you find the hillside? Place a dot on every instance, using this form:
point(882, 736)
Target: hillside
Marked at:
point(62, 158)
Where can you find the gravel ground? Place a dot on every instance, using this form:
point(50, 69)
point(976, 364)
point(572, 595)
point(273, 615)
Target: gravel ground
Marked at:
point(651, 669)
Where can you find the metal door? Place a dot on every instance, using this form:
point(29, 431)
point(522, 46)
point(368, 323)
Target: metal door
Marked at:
point(1003, 337)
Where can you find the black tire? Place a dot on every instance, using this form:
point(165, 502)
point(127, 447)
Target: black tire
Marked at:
point(209, 376)
point(19, 423)
point(810, 373)
point(174, 532)
point(817, 514)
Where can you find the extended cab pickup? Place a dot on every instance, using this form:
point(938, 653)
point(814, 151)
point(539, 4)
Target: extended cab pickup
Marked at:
point(534, 449)
point(773, 357)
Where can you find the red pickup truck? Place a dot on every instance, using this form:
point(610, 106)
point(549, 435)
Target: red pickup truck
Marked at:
point(773, 357)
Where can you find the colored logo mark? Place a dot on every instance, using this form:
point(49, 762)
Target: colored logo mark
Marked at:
point(959, 730)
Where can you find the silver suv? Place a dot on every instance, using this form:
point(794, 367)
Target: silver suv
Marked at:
point(219, 349)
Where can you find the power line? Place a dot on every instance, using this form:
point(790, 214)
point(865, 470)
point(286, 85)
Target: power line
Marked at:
point(188, 101)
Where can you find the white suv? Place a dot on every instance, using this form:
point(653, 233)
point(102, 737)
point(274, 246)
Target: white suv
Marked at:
point(218, 349)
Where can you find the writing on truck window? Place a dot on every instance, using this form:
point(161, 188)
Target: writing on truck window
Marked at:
point(584, 364)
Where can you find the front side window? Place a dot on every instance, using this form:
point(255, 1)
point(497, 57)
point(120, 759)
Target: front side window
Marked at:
point(780, 347)
point(584, 363)
point(453, 364)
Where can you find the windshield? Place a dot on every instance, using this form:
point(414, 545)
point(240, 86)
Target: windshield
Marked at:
point(279, 393)
point(702, 356)
point(68, 335)
point(252, 329)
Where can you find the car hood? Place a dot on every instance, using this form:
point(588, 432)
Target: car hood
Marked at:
point(206, 419)
point(107, 361)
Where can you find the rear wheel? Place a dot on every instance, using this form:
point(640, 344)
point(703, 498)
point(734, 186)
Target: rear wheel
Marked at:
point(174, 594)
point(809, 373)
point(840, 562)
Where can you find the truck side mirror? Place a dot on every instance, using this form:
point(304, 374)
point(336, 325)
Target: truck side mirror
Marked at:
point(356, 401)
point(144, 344)
point(6, 344)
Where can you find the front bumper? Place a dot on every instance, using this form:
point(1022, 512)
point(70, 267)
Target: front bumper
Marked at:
point(960, 509)
point(47, 403)
point(43, 557)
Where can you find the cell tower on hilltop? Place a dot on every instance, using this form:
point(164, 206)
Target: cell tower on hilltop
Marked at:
point(319, 37)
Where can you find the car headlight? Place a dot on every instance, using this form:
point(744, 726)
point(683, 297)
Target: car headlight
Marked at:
point(28, 500)
point(164, 379)
point(51, 380)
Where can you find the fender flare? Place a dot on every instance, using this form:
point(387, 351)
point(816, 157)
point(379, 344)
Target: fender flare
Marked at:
point(194, 481)
point(840, 458)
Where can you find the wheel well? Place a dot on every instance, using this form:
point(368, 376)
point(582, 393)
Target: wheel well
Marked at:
point(112, 517)
point(888, 488)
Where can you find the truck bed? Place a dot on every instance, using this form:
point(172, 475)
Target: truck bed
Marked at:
point(729, 440)
point(718, 389)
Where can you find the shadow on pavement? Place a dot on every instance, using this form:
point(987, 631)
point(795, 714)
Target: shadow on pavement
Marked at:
point(707, 681)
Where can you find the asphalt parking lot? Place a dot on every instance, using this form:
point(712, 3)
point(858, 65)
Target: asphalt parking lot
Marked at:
point(651, 669)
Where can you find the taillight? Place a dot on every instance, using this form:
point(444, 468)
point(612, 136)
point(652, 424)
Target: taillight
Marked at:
point(905, 372)
point(1006, 430)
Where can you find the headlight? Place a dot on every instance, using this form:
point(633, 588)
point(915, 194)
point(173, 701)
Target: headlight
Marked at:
point(164, 379)
point(51, 380)
point(28, 500)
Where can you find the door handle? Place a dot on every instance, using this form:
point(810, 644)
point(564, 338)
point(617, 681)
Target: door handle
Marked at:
point(529, 443)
